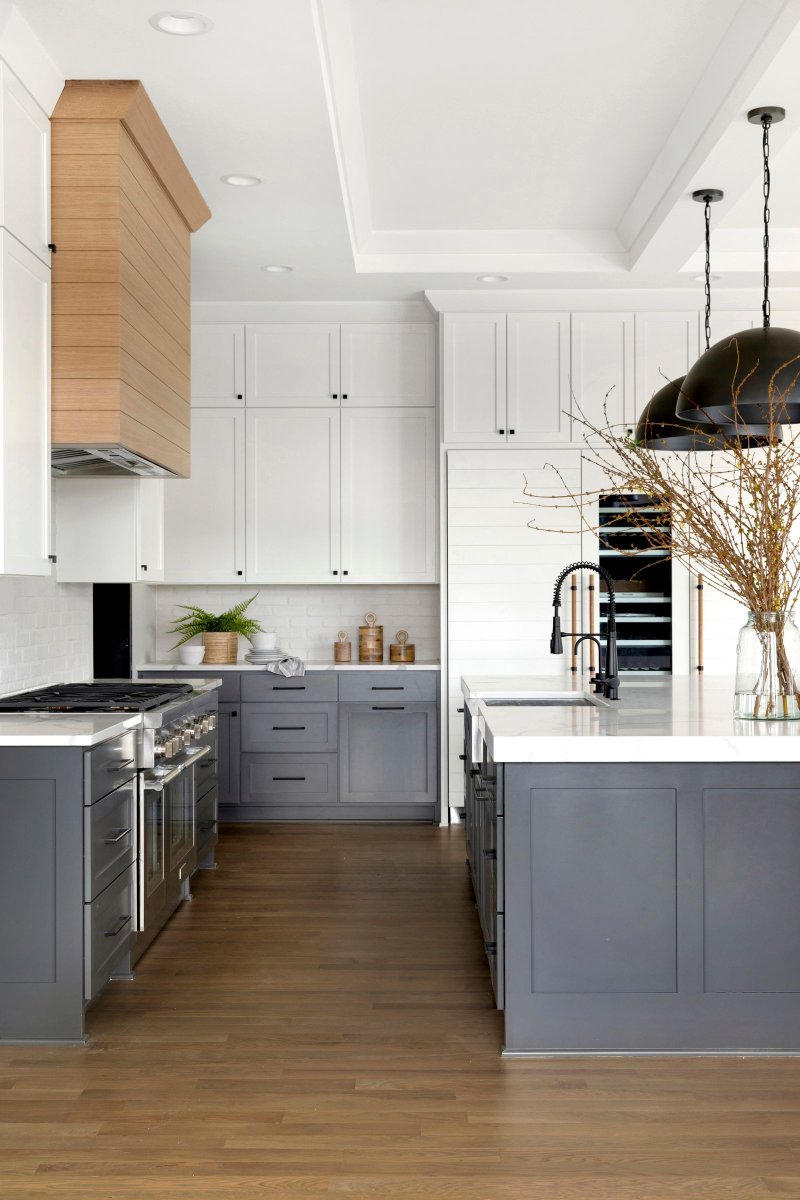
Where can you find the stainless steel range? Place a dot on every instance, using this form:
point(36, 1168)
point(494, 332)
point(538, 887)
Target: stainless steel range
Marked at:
point(176, 758)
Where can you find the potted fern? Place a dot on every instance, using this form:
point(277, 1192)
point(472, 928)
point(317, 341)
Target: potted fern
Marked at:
point(220, 632)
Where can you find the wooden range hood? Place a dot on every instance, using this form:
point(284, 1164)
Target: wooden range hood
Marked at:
point(123, 209)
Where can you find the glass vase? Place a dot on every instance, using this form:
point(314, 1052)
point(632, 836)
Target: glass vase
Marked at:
point(768, 668)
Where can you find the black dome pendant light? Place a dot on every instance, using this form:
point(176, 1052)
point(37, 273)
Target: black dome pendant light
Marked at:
point(659, 427)
point(742, 377)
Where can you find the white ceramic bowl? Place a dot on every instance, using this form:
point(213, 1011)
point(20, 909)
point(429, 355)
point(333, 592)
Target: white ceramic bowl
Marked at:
point(191, 656)
point(266, 640)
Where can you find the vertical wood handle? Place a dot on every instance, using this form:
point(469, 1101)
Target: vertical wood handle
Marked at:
point(573, 587)
point(591, 623)
point(700, 589)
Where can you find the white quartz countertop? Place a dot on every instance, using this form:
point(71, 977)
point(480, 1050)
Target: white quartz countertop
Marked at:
point(310, 666)
point(676, 719)
point(60, 729)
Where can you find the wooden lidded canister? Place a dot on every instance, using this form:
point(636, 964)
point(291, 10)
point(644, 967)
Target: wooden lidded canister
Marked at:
point(370, 640)
point(342, 648)
point(402, 650)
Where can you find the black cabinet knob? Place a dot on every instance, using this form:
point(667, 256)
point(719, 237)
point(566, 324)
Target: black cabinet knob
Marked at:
point(344, 395)
point(501, 431)
point(512, 431)
point(345, 572)
point(334, 572)
point(239, 396)
point(240, 572)
point(144, 566)
point(335, 396)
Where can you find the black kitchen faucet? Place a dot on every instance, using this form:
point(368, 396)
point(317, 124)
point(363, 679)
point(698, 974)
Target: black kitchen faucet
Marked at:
point(605, 682)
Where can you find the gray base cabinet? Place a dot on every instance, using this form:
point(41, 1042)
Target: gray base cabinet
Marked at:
point(358, 745)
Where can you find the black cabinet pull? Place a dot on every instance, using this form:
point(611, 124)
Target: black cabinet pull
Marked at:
point(462, 757)
point(112, 841)
point(279, 688)
point(288, 778)
point(490, 947)
point(287, 728)
point(490, 854)
point(234, 713)
point(118, 928)
point(474, 771)
point(144, 566)
point(459, 710)
point(396, 687)
point(388, 708)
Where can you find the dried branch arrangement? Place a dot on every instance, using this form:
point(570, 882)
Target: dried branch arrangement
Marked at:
point(735, 513)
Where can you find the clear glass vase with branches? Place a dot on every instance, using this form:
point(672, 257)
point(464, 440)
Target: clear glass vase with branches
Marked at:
point(735, 516)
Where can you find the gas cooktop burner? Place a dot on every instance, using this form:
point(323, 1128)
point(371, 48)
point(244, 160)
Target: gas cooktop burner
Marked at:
point(122, 696)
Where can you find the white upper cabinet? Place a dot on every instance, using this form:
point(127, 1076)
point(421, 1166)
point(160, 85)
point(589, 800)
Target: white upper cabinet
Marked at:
point(293, 458)
point(204, 515)
point(666, 345)
point(291, 365)
point(109, 530)
point(389, 496)
point(388, 364)
point(218, 366)
point(538, 405)
point(25, 167)
point(474, 377)
point(602, 370)
point(24, 411)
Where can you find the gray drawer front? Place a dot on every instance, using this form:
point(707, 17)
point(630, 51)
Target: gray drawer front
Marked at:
point(374, 686)
point(229, 692)
point(318, 686)
point(110, 838)
point(108, 930)
point(206, 818)
point(110, 764)
point(267, 728)
point(207, 769)
point(290, 779)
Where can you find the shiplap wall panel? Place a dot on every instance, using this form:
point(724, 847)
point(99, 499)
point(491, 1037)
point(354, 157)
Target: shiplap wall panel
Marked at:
point(501, 572)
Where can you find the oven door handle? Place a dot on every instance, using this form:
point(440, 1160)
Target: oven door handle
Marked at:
point(159, 782)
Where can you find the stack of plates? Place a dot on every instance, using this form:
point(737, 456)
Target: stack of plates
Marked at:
point(259, 658)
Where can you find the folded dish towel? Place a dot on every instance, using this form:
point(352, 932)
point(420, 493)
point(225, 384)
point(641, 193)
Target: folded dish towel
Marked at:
point(287, 666)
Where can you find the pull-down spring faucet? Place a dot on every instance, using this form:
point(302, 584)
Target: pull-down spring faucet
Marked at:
point(605, 681)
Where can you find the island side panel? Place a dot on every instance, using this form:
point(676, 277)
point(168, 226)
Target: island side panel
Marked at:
point(652, 907)
point(41, 894)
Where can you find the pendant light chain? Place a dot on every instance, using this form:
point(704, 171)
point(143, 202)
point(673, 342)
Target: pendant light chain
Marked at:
point(707, 214)
point(766, 121)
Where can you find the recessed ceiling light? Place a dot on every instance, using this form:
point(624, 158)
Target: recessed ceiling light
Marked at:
point(702, 278)
point(181, 24)
point(241, 180)
point(492, 279)
point(274, 269)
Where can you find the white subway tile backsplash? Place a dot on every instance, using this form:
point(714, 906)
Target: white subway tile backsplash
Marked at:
point(307, 619)
point(45, 632)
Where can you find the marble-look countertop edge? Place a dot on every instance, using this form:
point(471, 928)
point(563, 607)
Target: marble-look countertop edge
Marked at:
point(310, 666)
point(62, 729)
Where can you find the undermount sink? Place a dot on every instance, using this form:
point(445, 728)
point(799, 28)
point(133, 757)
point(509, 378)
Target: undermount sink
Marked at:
point(542, 702)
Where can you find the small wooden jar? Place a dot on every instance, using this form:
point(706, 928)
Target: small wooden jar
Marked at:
point(402, 650)
point(370, 640)
point(343, 648)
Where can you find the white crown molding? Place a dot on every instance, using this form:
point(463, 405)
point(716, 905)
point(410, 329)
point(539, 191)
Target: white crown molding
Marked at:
point(256, 312)
point(607, 300)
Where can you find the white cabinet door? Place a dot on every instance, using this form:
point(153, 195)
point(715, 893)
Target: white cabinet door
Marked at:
point(666, 346)
point(204, 515)
point(538, 377)
point(602, 371)
point(25, 171)
point(388, 365)
point(474, 377)
point(218, 366)
point(389, 496)
point(293, 365)
point(293, 496)
point(24, 412)
point(150, 530)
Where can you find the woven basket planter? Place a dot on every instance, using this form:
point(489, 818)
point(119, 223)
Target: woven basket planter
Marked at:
point(221, 647)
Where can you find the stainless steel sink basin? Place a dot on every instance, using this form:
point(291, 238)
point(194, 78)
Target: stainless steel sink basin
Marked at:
point(542, 702)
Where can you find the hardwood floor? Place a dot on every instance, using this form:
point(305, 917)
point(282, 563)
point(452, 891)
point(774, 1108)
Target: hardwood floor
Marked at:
point(319, 1022)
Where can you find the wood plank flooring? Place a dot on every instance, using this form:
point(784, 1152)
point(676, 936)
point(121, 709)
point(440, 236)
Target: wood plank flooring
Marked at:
point(319, 1022)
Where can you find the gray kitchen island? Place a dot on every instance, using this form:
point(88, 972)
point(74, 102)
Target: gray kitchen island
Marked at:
point(636, 866)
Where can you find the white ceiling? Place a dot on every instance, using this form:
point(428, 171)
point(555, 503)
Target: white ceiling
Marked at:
point(408, 145)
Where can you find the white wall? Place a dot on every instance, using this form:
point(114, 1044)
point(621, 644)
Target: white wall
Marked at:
point(307, 619)
point(45, 632)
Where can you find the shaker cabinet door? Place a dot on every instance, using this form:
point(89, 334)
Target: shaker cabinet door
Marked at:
point(666, 345)
point(204, 515)
point(602, 371)
point(389, 495)
point(474, 377)
point(388, 365)
point(24, 166)
point(387, 753)
point(293, 495)
point(538, 378)
point(218, 366)
point(293, 365)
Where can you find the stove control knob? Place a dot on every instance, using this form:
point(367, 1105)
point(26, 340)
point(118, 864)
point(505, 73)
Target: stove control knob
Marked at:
point(187, 737)
point(205, 725)
point(212, 721)
point(176, 741)
point(160, 750)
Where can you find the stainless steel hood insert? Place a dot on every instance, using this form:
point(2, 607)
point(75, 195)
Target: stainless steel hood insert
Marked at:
point(104, 461)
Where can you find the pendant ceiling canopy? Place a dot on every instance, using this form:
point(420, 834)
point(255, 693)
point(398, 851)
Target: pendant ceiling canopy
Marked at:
point(751, 377)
